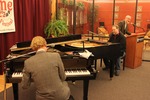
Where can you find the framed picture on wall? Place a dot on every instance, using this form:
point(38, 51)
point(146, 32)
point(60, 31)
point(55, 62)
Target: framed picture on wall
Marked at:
point(138, 23)
point(139, 9)
point(139, 16)
point(116, 8)
point(116, 15)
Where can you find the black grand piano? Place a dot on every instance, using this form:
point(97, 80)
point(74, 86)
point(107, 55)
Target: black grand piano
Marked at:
point(73, 62)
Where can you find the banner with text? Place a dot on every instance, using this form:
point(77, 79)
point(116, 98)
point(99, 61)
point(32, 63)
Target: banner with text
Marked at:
point(7, 22)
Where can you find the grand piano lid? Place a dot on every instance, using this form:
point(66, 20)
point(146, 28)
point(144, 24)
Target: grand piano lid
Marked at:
point(50, 42)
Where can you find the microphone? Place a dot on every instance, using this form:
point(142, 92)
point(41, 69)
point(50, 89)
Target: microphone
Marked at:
point(138, 26)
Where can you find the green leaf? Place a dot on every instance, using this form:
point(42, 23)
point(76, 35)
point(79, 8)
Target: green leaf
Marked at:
point(56, 28)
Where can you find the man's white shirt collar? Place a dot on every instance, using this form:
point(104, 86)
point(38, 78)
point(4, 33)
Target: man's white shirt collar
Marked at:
point(40, 50)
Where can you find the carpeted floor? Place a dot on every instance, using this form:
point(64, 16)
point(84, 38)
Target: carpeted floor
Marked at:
point(132, 84)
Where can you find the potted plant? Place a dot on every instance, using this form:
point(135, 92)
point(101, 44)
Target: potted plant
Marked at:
point(56, 28)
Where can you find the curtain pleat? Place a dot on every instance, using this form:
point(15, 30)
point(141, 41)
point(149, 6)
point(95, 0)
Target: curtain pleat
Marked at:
point(31, 17)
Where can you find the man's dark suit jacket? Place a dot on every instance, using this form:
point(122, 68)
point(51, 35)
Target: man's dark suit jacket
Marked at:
point(122, 28)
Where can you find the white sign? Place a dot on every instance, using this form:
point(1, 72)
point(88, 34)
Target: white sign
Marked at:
point(7, 22)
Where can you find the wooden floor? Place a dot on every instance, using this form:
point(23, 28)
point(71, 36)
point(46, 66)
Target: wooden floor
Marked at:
point(2, 83)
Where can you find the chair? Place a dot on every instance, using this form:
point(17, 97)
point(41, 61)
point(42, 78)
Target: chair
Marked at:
point(102, 31)
point(147, 39)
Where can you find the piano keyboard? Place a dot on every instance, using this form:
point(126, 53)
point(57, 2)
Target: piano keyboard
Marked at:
point(17, 75)
point(77, 72)
point(68, 72)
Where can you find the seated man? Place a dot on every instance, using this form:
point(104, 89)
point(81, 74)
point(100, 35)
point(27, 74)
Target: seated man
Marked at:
point(47, 71)
point(116, 37)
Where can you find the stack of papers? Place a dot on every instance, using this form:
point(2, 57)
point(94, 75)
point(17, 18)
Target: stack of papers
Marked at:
point(86, 54)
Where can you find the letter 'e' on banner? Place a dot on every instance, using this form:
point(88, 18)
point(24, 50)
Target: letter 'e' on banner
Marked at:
point(7, 22)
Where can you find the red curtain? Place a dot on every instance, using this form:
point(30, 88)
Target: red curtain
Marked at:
point(31, 17)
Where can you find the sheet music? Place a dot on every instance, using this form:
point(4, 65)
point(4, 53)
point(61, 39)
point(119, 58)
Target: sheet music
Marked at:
point(86, 54)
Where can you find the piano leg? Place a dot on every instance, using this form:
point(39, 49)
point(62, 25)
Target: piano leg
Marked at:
point(15, 90)
point(85, 89)
point(112, 68)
